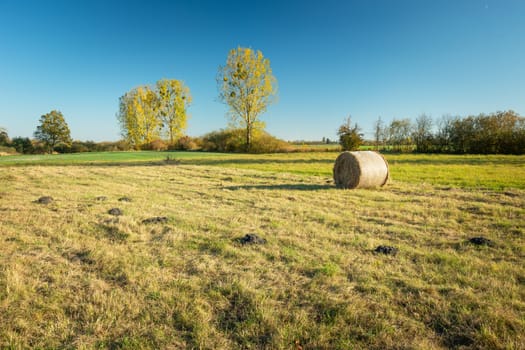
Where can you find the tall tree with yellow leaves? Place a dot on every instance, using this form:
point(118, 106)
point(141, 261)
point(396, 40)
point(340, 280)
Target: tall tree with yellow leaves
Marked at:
point(248, 87)
point(138, 116)
point(173, 101)
point(147, 112)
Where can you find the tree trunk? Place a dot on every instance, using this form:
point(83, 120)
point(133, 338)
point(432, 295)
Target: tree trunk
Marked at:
point(248, 138)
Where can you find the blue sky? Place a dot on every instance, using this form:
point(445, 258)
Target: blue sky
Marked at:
point(366, 58)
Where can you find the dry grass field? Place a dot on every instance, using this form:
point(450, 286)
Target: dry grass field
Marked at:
point(174, 272)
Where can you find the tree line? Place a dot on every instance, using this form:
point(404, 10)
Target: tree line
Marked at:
point(494, 133)
point(499, 132)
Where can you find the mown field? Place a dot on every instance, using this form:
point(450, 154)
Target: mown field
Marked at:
point(172, 271)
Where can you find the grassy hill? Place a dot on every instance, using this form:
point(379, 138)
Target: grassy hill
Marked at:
point(173, 271)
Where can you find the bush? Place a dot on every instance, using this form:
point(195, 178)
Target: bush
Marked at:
point(121, 145)
point(83, 146)
point(233, 140)
point(155, 145)
point(225, 140)
point(185, 143)
point(266, 143)
point(4, 150)
point(39, 147)
point(350, 137)
point(22, 145)
point(79, 147)
point(63, 148)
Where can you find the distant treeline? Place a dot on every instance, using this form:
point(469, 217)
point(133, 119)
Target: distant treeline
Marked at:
point(25, 145)
point(224, 140)
point(496, 133)
point(323, 141)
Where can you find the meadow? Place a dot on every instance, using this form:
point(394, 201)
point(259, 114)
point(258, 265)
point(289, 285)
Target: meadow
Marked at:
point(173, 271)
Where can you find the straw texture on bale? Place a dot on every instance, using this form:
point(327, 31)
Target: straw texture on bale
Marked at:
point(361, 169)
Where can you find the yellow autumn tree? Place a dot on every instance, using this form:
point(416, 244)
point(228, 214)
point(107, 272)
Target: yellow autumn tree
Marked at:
point(173, 101)
point(138, 116)
point(147, 112)
point(248, 87)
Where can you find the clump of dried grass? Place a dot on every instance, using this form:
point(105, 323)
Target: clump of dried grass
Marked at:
point(362, 169)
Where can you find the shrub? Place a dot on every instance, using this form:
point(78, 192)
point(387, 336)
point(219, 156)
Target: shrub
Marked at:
point(22, 145)
point(121, 145)
point(155, 145)
point(39, 147)
point(350, 137)
point(266, 143)
point(225, 140)
point(233, 140)
point(83, 146)
point(4, 150)
point(63, 148)
point(185, 143)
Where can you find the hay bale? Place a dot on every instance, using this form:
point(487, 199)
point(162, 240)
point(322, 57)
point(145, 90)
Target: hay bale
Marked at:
point(362, 169)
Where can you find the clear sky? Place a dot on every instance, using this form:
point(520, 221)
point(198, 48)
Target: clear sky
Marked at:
point(366, 58)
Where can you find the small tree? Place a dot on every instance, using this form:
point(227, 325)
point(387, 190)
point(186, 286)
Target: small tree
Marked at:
point(53, 130)
point(442, 140)
point(4, 137)
point(350, 137)
point(399, 134)
point(379, 133)
point(248, 87)
point(422, 134)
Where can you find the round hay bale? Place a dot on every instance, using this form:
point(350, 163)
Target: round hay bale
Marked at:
point(361, 169)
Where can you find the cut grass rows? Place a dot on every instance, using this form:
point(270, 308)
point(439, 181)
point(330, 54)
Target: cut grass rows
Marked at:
point(74, 276)
point(495, 172)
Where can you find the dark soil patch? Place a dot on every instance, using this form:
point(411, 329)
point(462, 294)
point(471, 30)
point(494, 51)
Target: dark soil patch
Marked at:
point(125, 199)
point(156, 220)
point(475, 210)
point(385, 249)
point(251, 238)
point(115, 235)
point(173, 161)
point(115, 212)
point(44, 200)
point(453, 336)
point(82, 256)
point(101, 198)
point(241, 319)
point(121, 279)
point(481, 241)
point(110, 221)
